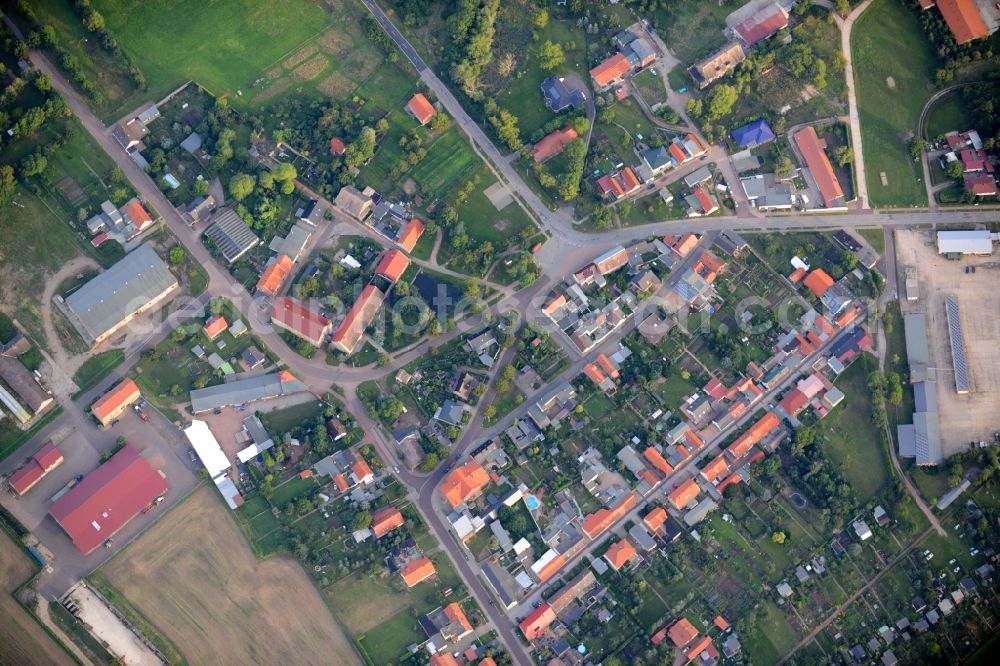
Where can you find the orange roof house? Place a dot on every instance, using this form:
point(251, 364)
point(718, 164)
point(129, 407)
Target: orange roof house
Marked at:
point(630, 182)
point(392, 266)
point(275, 273)
point(358, 318)
point(677, 153)
point(41, 463)
point(533, 625)
point(721, 623)
point(135, 212)
point(341, 483)
point(487, 661)
point(757, 432)
point(594, 374)
point(110, 405)
point(553, 305)
point(596, 523)
point(797, 275)
point(686, 243)
point(554, 565)
point(421, 108)
point(963, 19)
point(819, 165)
point(818, 282)
point(682, 632)
point(455, 614)
point(362, 472)
point(443, 659)
point(620, 553)
point(417, 570)
point(553, 143)
point(464, 483)
point(654, 519)
point(607, 366)
point(410, 234)
point(716, 468)
point(385, 521)
point(729, 480)
point(658, 461)
point(337, 146)
point(299, 320)
point(610, 71)
point(214, 327)
point(699, 646)
point(684, 493)
point(794, 402)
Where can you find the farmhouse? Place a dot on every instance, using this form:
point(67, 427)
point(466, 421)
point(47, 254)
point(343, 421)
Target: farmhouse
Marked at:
point(812, 149)
point(358, 318)
point(251, 389)
point(762, 25)
point(561, 95)
point(682, 632)
point(392, 265)
point(718, 64)
point(615, 186)
point(138, 282)
point(410, 234)
point(385, 521)
point(356, 204)
point(107, 499)
point(980, 184)
point(41, 463)
point(111, 405)
point(231, 235)
point(768, 192)
point(417, 570)
point(21, 381)
point(421, 109)
point(292, 316)
point(553, 144)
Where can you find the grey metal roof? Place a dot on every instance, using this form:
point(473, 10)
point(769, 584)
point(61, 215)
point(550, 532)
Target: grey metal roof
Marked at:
point(231, 234)
point(957, 340)
point(917, 354)
point(697, 176)
point(240, 391)
point(100, 305)
point(192, 142)
point(977, 241)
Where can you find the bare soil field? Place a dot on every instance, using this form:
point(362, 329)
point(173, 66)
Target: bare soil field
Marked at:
point(195, 577)
point(973, 416)
point(22, 640)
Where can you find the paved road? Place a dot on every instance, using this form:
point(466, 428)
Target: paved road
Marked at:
point(846, 25)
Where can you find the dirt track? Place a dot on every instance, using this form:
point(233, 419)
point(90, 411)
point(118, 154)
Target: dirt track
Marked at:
point(22, 640)
point(196, 578)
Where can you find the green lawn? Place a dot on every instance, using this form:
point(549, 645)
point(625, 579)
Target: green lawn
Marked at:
point(448, 160)
point(772, 640)
point(96, 368)
point(850, 438)
point(225, 45)
point(893, 64)
point(875, 238)
point(674, 389)
point(650, 87)
point(948, 114)
point(388, 641)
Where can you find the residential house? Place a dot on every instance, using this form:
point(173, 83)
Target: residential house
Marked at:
point(199, 210)
point(753, 134)
point(700, 203)
point(214, 327)
point(421, 109)
point(963, 18)
point(356, 204)
point(768, 192)
point(277, 269)
point(818, 282)
point(409, 234)
point(813, 152)
point(451, 412)
point(980, 184)
point(682, 632)
point(392, 265)
point(561, 94)
point(683, 495)
point(718, 64)
point(112, 404)
point(385, 520)
point(464, 483)
point(553, 143)
point(358, 318)
point(337, 146)
point(610, 71)
point(620, 553)
point(762, 25)
point(417, 570)
point(292, 316)
point(535, 624)
point(618, 185)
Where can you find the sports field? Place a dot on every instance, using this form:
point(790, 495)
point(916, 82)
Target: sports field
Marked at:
point(893, 65)
point(195, 578)
point(22, 640)
point(225, 45)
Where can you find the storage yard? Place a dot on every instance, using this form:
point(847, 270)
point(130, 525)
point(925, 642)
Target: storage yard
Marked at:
point(195, 575)
point(964, 417)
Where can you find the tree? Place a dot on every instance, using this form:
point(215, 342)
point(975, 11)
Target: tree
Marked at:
point(472, 288)
point(362, 521)
point(177, 255)
point(429, 462)
point(489, 412)
point(778, 537)
point(843, 155)
point(440, 122)
point(550, 55)
point(241, 186)
point(602, 217)
point(685, 375)
point(917, 147)
point(201, 187)
point(33, 164)
point(541, 19)
point(361, 149)
point(720, 101)
point(783, 166)
point(7, 184)
point(955, 169)
point(507, 64)
point(843, 7)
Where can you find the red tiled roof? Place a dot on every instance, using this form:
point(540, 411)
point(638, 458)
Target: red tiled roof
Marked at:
point(270, 281)
point(111, 403)
point(40, 464)
point(715, 388)
point(753, 435)
point(698, 647)
point(99, 239)
point(760, 27)
point(393, 264)
point(594, 374)
point(607, 365)
point(443, 659)
point(215, 325)
point(337, 146)
point(824, 326)
point(729, 480)
point(386, 520)
point(658, 461)
point(721, 623)
point(553, 305)
point(620, 553)
point(138, 214)
point(687, 243)
point(659, 636)
point(654, 519)
point(421, 108)
point(682, 632)
point(410, 234)
point(108, 498)
point(463, 483)
point(595, 523)
point(819, 165)
point(417, 570)
point(963, 19)
point(693, 439)
point(976, 160)
point(361, 314)
point(684, 493)
point(300, 320)
point(361, 469)
point(980, 184)
point(609, 185)
point(553, 143)
point(796, 275)
point(455, 613)
point(533, 625)
point(629, 180)
point(554, 565)
point(611, 69)
point(818, 282)
point(48, 456)
point(794, 402)
point(716, 468)
point(677, 153)
point(341, 483)
point(704, 200)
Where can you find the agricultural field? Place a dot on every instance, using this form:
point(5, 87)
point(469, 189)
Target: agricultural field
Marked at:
point(22, 638)
point(948, 114)
point(197, 580)
point(893, 66)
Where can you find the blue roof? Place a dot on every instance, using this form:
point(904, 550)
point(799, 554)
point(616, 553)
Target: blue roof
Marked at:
point(753, 134)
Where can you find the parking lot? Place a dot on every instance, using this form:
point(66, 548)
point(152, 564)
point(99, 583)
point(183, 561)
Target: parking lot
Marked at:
point(80, 441)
